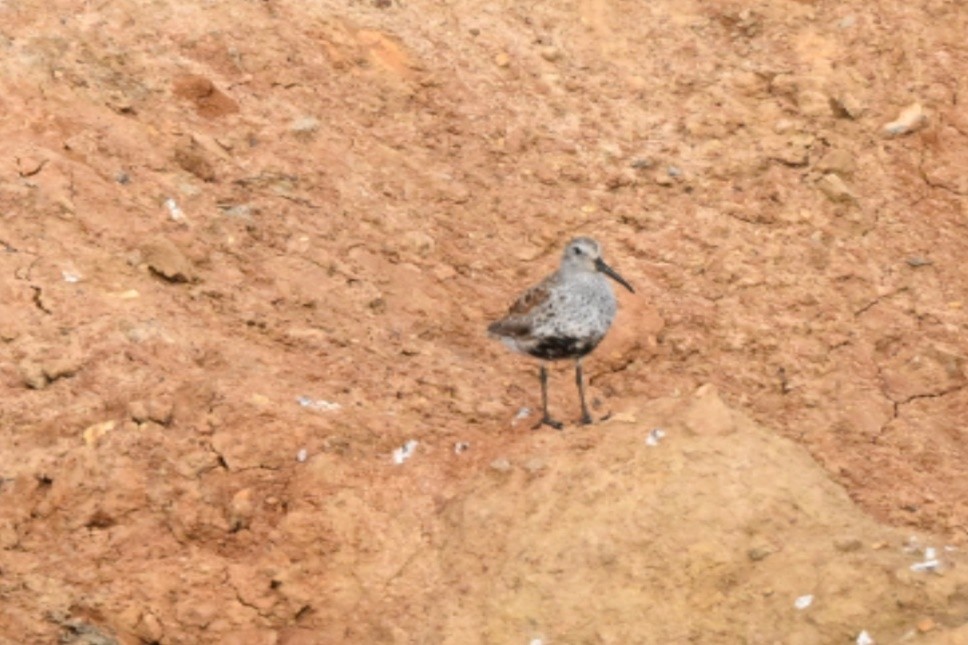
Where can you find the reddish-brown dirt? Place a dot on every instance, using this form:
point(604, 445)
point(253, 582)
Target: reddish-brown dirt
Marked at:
point(250, 249)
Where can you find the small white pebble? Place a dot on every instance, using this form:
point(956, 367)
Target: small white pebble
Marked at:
point(523, 413)
point(655, 436)
point(461, 446)
point(536, 641)
point(803, 601)
point(70, 276)
point(927, 565)
point(864, 638)
point(174, 211)
point(404, 452)
point(930, 553)
point(318, 404)
point(302, 455)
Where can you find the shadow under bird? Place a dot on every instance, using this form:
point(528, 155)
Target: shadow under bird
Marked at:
point(565, 316)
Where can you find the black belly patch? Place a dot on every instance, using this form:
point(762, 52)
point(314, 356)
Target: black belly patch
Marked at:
point(559, 347)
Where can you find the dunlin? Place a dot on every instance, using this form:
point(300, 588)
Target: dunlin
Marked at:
point(564, 316)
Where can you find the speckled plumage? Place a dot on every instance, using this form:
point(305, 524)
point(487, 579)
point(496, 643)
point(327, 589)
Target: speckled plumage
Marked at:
point(565, 316)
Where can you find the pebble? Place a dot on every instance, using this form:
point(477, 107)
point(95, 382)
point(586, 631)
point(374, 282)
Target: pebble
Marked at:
point(837, 161)
point(166, 260)
point(304, 127)
point(535, 465)
point(847, 105)
point(502, 60)
point(176, 213)
point(550, 54)
point(803, 601)
point(93, 433)
point(835, 189)
point(33, 375)
point(241, 510)
point(404, 452)
point(501, 464)
point(911, 119)
point(193, 160)
point(848, 544)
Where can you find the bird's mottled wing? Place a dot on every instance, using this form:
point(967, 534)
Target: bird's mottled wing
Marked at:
point(532, 298)
point(518, 320)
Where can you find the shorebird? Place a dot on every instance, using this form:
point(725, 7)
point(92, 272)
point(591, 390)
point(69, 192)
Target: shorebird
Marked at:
point(564, 316)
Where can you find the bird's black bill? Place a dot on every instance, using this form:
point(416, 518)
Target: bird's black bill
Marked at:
point(607, 270)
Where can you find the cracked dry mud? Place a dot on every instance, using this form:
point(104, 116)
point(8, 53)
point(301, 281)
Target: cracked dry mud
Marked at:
point(211, 210)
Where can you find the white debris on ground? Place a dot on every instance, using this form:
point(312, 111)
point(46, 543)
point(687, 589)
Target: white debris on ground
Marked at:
point(864, 638)
point(655, 436)
point(803, 601)
point(405, 451)
point(71, 276)
point(523, 413)
point(461, 446)
point(176, 213)
point(930, 562)
point(318, 404)
point(302, 455)
point(536, 641)
point(911, 119)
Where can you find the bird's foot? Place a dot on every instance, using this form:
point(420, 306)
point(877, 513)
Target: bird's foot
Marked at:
point(548, 421)
point(585, 419)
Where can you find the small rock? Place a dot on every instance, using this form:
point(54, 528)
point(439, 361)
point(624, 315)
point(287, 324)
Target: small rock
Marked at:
point(192, 159)
point(418, 242)
point(461, 447)
point(501, 464)
point(33, 375)
point(304, 128)
point(835, 189)
point(241, 211)
point(848, 544)
point(643, 163)
point(302, 455)
point(803, 601)
point(864, 638)
point(161, 411)
point(404, 452)
point(502, 59)
point(535, 465)
point(550, 54)
point(138, 411)
point(655, 436)
point(839, 162)
point(917, 262)
point(165, 260)
point(92, 434)
point(925, 625)
point(176, 213)
point(241, 510)
point(911, 119)
point(847, 106)
point(759, 552)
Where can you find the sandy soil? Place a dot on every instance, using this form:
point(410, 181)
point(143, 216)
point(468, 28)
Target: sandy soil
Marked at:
point(250, 249)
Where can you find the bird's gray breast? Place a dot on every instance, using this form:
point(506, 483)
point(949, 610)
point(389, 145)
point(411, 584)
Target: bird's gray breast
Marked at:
point(582, 306)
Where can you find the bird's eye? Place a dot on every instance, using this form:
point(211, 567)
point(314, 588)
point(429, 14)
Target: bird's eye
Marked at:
point(577, 250)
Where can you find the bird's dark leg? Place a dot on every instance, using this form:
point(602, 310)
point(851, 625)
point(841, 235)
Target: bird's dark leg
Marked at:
point(586, 418)
point(545, 419)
